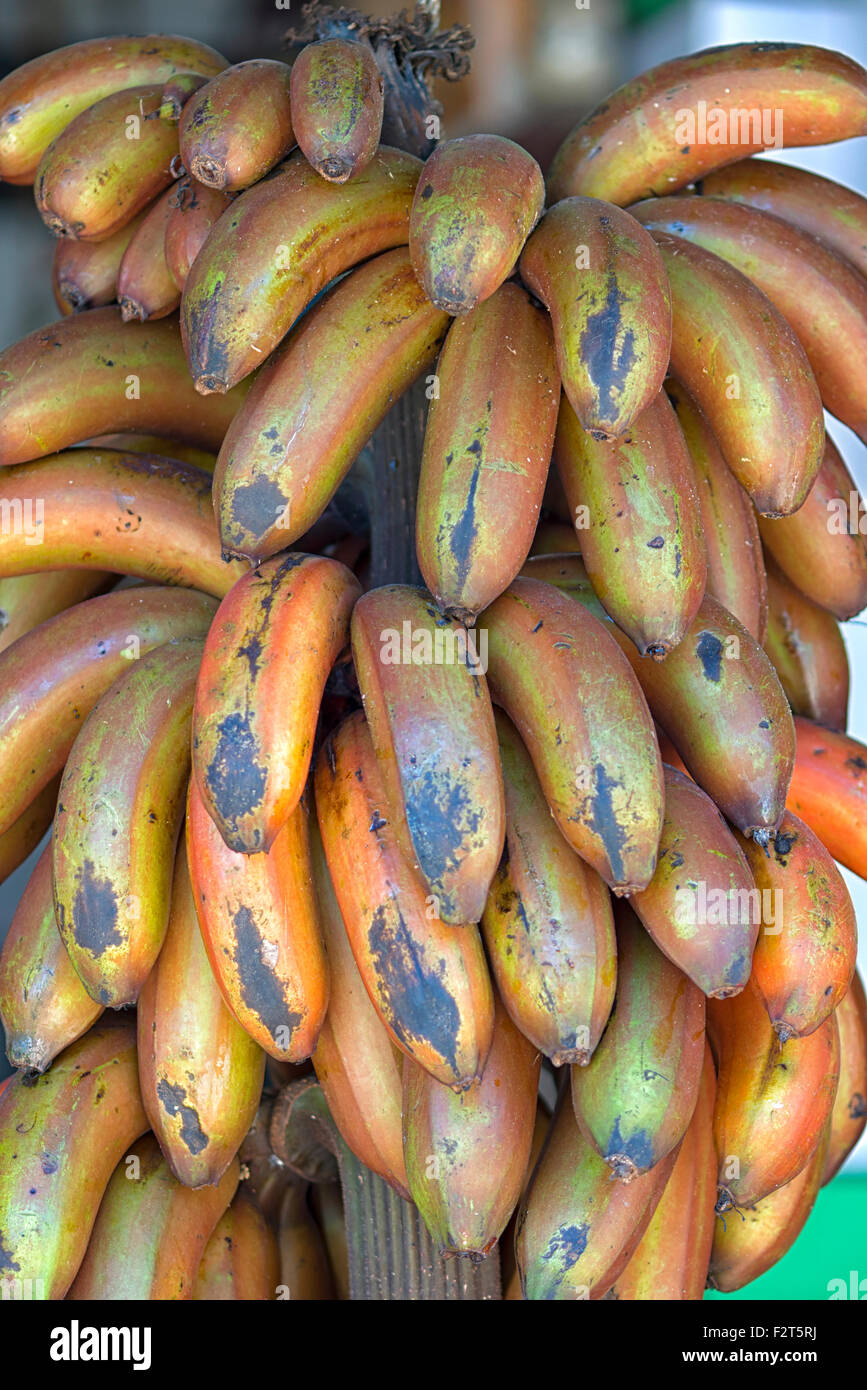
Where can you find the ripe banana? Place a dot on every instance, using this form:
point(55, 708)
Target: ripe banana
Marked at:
point(428, 982)
point(701, 906)
point(44, 1007)
point(735, 567)
point(337, 106)
point(200, 1073)
point(106, 510)
point(577, 1227)
point(145, 286)
point(39, 99)
point(26, 600)
point(849, 1116)
point(672, 1257)
point(260, 925)
point(356, 1063)
point(808, 652)
point(487, 447)
point(194, 211)
point(23, 836)
point(466, 1153)
point(821, 296)
point(751, 378)
point(107, 165)
point(432, 726)
point(92, 374)
point(829, 791)
point(51, 678)
point(635, 1097)
point(773, 1102)
point(60, 1138)
point(717, 690)
point(822, 548)
point(269, 652)
point(117, 822)
point(155, 444)
point(547, 925)
point(510, 1278)
point(819, 206)
point(84, 273)
point(477, 200)
point(305, 1274)
point(292, 444)
point(604, 283)
point(280, 244)
point(241, 1261)
point(685, 117)
point(554, 670)
point(804, 961)
point(238, 126)
point(638, 518)
point(746, 1244)
point(151, 1232)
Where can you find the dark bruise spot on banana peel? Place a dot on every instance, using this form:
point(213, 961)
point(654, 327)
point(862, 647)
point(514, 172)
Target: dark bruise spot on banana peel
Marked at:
point(709, 651)
point(564, 1250)
point(417, 1003)
point(210, 375)
point(631, 1155)
point(6, 1260)
point(604, 823)
point(608, 352)
point(261, 989)
point(441, 818)
point(94, 912)
point(256, 508)
point(173, 1100)
point(235, 777)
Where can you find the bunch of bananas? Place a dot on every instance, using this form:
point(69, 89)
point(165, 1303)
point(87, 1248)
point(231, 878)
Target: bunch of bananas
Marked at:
point(575, 804)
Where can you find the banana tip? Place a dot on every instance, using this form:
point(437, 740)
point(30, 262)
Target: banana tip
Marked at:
point(335, 169)
point(209, 172)
point(622, 1167)
point(210, 385)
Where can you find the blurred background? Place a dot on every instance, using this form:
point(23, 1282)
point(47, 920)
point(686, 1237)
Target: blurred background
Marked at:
point(537, 67)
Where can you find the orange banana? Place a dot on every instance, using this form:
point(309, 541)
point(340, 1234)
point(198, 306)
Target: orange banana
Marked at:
point(260, 925)
point(735, 567)
point(44, 1007)
point(305, 1274)
point(826, 209)
point(427, 981)
point(822, 548)
point(478, 198)
point(747, 1243)
point(336, 89)
point(356, 1063)
point(829, 791)
point(92, 374)
point(26, 600)
point(151, 1232)
point(849, 1116)
point(23, 836)
point(145, 286)
point(577, 1227)
point(635, 1097)
point(554, 669)
point(84, 273)
point(753, 381)
point(283, 241)
point(773, 1102)
point(238, 126)
point(39, 99)
point(270, 650)
point(701, 906)
point(487, 447)
point(685, 117)
point(100, 509)
point(672, 1257)
point(808, 651)
point(604, 284)
point(466, 1154)
point(195, 210)
point(60, 1138)
point(241, 1260)
point(51, 678)
point(547, 924)
point(638, 518)
point(805, 957)
point(128, 769)
point(108, 164)
point(200, 1072)
point(317, 402)
point(432, 725)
